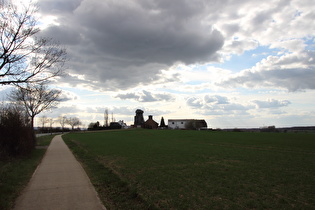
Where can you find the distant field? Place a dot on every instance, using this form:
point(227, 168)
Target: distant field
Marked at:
point(174, 169)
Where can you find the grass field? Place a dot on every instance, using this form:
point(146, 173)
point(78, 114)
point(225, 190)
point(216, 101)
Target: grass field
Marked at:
point(172, 169)
point(15, 173)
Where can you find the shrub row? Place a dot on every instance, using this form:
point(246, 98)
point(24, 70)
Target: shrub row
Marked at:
point(16, 134)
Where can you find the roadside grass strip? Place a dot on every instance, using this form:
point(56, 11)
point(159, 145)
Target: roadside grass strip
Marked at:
point(15, 173)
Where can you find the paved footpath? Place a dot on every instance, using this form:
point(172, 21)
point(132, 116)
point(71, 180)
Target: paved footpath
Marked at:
point(59, 182)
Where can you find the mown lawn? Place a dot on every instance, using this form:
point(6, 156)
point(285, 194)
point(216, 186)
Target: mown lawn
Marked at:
point(15, 173)
point(175, 169)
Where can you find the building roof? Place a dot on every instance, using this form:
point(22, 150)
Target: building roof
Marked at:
point(184, 119)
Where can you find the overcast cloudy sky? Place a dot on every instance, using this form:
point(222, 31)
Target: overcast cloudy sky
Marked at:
point(233, 63)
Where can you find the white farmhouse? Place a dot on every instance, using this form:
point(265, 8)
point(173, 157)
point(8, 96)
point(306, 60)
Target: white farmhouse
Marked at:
point(123, 124)
point(186, 124)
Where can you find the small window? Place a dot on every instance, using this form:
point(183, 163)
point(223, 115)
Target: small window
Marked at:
point(173, 123)
point(182, 122)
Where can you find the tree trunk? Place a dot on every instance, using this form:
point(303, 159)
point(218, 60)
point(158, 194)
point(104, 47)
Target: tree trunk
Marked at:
point(33, 131)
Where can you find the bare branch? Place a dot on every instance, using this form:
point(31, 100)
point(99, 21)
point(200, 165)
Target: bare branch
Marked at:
point(23, 57)
point(74, 121)
point(36, 98)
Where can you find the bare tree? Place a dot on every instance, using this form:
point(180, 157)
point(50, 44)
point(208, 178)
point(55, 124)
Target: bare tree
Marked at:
point(51, 122)
point(106, 117)
point(25, 58)
point(74, 121)
point(36, 98)
point(62, 121)
point(43, 120)
point(113, 119)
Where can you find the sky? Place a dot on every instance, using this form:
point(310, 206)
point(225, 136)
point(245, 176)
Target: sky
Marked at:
point(236, 64)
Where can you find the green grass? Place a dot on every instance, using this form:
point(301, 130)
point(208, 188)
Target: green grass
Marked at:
point(44, 140)
point(16, 172)
point(164, 169)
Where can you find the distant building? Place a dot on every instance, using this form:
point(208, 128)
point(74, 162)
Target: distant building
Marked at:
point(114, 125)
point(123, 124)
point(139, 121)
point(190, 124)
point(150, 123)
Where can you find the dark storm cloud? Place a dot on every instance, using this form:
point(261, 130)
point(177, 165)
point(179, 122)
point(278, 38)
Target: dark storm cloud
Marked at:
point(67, 35)
point(58, 6)
point(123, 43)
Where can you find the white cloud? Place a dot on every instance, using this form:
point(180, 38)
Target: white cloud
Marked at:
point(195, 103)
point(291, 71)
point(68, 96)
point(218, 105)
point(293, 45)
point(271, 103)
point(216, 99)
point(146, 96)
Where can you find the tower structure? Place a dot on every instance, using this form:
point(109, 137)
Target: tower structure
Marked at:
point(139, 120)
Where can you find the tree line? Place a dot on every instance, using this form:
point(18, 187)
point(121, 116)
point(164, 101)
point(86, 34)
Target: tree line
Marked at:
point(61, 120)
point(108, 123)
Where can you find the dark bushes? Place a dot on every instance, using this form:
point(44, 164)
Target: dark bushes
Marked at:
point(52, 130)
point(16, 134)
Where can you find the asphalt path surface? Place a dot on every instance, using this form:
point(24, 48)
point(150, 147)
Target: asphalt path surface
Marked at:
point(59, 182)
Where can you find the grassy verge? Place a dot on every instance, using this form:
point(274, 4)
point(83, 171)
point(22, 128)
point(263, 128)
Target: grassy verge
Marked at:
point(199, 169)
point(16, 172)
point(114, 192)
point(44, 140)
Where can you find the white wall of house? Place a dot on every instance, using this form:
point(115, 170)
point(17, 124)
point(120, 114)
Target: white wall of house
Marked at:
point(182, 123)
point(123, 125)
point(177, 124)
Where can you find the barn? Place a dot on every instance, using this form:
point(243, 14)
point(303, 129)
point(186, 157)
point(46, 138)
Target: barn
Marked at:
point(191, 124)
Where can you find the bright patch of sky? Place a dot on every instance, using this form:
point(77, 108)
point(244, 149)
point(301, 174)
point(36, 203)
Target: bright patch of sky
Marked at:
point(247, 60)
point(310, 43)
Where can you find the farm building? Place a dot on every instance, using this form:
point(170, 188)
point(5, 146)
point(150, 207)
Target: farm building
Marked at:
point(187, 124)
point(150, 123)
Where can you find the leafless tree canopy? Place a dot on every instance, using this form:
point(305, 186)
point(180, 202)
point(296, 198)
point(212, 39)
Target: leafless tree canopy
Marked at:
point(62, 121)
point(23, 57)
point(43, 120)
point(36, 98)
point(51, 122)
point(106, 118)
point(74, 121)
